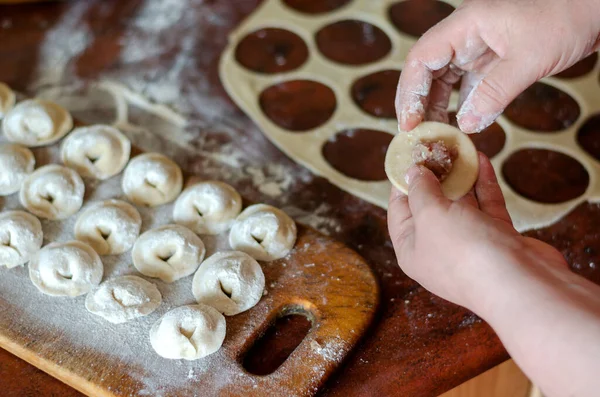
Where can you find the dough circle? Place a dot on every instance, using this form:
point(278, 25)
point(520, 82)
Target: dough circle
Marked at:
point(207, 207)
point(21, 237)
point(110, 227)
point(168, 252)
point(231, 282)
point(188, 332)
point(264, 232)
point(465, 167)
point(98, 151)
point(36, 122)
point(66, 269)
point(152, 179)
point(7, 99)
point(16, 163)
point(52, 192)
point(124, 298)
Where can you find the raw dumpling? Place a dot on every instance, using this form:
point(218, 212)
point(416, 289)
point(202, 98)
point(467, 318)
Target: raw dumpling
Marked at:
point(231, 282)
point(152, 179)
point(124, 298)
point(110, 227)
point(7, 99)
point(98, 151)
point(207, 207)
point(21, 237)
point(168, 252)
point(52, 192)
point(36, 122)
point(188, 332)
point(66, 269)
point(264, 232)
point(428, 145)
point(16, 163)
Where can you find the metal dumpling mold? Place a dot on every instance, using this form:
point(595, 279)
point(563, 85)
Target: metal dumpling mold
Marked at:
point(287, 67)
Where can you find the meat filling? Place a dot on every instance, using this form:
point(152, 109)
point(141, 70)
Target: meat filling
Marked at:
point(436, 156)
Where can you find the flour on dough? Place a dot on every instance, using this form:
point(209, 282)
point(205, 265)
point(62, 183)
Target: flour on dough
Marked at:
point(66, 269)
point(36, 122)
point(231, 282)
point(168, 252)
point(52, 192)
point(21, 237)
point(152, 179)
point(122, 299)
point(97, 151)
point(16, 163)
point(264, 232)
point(188, 332)
point(110, 227)
point(207, 207)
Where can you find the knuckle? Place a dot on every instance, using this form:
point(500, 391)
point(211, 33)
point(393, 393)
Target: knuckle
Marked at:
point(492, 94)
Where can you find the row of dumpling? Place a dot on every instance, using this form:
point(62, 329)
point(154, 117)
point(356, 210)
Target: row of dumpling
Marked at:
point(228, 282)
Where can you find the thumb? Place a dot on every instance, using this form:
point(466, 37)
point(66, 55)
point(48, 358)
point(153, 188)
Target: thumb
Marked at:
point(493, 94)
point(424, 190)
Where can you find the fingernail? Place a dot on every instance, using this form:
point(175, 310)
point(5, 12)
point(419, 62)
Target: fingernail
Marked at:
point(412, 173)
point(468, 122)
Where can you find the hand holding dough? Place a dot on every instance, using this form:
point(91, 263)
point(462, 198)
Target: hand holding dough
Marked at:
point(16, 163)
point(124, 298)
point(264, 232)
point(52, 192)
point(465, 167)
point(7, 99)
point(152, 179)
point(231, 282)
point(36, 122)
point(21, 237)
point(66, 269)
point(110, 227)
point(207, 207)
point(188, 332)
point(169, 252)
point(98, 151)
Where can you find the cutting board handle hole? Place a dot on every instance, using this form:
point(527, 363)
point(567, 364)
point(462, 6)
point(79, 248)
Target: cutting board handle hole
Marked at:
point(278, 342)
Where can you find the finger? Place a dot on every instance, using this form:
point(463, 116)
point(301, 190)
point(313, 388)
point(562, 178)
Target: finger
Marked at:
point(432, 52)
point(400, 222)
point(492, 94)
point(424, 190)
point(441, 90)
point(488, 192)
point(469, 199)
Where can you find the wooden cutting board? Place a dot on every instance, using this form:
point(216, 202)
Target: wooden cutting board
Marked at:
point(321, 278)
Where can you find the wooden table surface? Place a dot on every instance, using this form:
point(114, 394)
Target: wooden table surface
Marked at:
point(420, 345)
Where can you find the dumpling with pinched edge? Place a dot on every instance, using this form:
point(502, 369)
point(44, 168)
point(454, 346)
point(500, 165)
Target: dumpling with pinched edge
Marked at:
point(21, 237)
point(122, 299)
point(52, 192)
point(152, 179)
point(231, 282)
point(111, 226)
point(97, 151)
point(188, 332)
point(168, 252)
point(16, 163)
point(207, 207)
point(36, 122)
point(264, 232)
point(66, 269)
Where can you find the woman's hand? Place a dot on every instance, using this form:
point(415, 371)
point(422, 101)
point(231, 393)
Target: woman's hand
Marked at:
point(454, 248)
point(499, 48)
point(467, 252)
